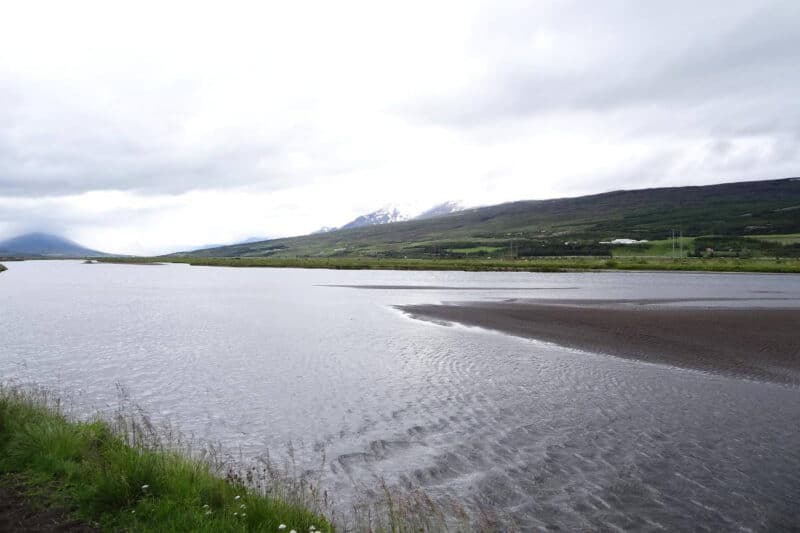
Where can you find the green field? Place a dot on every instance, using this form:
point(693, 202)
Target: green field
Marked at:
point(541, 264)
point(789, 238)
point(128, 481)
point(475, 250)
point(658, 248)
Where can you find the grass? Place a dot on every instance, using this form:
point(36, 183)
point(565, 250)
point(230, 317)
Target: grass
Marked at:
point(542, 264)
point(787, 238)
point(475, 250)
point(125, 481)
point(658, 248)
point(2, 268)
point(124, 474)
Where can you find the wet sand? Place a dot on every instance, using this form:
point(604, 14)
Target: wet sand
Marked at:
point(447, 288)
point(749, 342)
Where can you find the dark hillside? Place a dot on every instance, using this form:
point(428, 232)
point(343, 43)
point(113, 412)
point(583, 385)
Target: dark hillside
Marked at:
point(44, 245)
point(564, 226)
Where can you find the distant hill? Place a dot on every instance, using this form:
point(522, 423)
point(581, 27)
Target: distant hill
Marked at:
point(563, 226)
point(439, 210)
point(44, 245)
point(325, 229)
point(385, 215)
point(237, 243)
point(392, 213)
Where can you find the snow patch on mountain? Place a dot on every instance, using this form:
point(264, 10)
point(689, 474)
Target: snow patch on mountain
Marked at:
point(398, 213)
point(444, 208)
point(384, 215)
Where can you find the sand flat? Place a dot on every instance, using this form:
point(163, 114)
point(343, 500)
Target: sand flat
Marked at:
point(752, 342)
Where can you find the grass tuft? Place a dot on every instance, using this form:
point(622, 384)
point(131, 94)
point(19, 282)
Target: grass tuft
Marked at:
point(105, 479)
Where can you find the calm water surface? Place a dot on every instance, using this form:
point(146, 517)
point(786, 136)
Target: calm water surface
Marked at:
point(541, 435)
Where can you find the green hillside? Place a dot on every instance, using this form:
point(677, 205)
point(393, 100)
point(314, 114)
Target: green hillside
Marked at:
point(571, 227)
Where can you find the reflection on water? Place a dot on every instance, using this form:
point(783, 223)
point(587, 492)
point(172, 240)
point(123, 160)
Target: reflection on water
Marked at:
point(541, 435)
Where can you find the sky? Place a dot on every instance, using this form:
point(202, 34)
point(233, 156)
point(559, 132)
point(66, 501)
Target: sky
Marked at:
point(150, 127)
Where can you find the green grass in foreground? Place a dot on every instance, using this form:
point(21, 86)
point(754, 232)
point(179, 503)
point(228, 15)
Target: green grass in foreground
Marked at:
point(85, 467)
point(543, 264)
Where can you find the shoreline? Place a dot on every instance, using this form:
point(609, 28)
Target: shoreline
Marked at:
point(71, 475)
point(748, 342)
point(542, 264)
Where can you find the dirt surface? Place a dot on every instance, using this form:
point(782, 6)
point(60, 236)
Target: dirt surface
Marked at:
point(757, 343)
point(446, 288)
point(20, 513)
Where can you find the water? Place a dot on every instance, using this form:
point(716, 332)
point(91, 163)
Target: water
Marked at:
point(538, 435)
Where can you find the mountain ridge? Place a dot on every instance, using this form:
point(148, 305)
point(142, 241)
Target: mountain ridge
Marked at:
point(445, 208)
point(559, 226)
point(384, 215)
point(39, 244)
point(392, 213)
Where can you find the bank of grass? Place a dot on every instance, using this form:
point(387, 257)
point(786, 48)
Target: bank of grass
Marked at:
point(2, 268)
point(786, 238)
point(541, 264)
point(103, 479)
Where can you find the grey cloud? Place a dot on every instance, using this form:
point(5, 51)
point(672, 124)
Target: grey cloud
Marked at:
point(666, 167)
point(738, 76)
point(56, 217)
point(685, 84)
point(52, 146)
point(71, 223)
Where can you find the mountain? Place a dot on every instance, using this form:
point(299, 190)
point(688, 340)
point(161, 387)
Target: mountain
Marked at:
point(45, 245)
point(220, 245)
point(562, 226)
point(325, 229)
point(384, 215)
point(252, 239)
point(438, 210)
point(392, 213)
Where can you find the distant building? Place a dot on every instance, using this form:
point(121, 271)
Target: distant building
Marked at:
point(624, 241)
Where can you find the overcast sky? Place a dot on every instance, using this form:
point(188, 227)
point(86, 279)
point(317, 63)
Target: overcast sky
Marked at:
point(147, 127)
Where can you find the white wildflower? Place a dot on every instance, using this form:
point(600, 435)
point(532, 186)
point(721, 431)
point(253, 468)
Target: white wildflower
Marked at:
point(282, 526)
point(237, 497)
point(243, 506)
point(208, 512)
point(205, 506)
point(145, 487)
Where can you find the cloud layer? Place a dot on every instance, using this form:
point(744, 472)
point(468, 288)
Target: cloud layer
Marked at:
point(155, 127)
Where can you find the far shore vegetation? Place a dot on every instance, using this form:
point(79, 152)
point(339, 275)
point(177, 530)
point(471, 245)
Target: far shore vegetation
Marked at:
point(538, 264)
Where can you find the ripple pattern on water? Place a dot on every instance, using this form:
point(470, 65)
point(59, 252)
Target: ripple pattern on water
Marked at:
point(539, 435)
